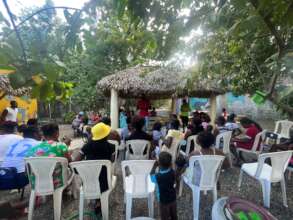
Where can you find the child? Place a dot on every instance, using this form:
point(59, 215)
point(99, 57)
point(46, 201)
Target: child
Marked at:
point(157, 135)
point(165, 184)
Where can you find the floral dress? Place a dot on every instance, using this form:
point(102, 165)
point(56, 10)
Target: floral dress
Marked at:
point(49, 149)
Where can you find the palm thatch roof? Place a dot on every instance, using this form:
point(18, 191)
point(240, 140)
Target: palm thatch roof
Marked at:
point(156, 83)
point(153, 82)
point(6, 88)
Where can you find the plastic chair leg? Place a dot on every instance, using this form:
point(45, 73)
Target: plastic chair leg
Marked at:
point(81, 204)
point(215, 194)
point(31, 205)
point(105, 205)
point(180, 187)
point(240, 178)
point(128, 206)
point(230, 160)
point(196, 203)
point(266, 192)
point(284, 195)
point(151, 204)
point(57, 197)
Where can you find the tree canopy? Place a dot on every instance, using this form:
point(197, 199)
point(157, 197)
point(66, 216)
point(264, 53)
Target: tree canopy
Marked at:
point(245, 45)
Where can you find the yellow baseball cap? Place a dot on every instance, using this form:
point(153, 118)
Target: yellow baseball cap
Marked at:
point(100, 131)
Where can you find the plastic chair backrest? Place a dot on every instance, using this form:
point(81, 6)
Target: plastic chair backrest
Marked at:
point(284, 127)
point(210, 167)
point(89, 172)
point(191, 139)
point(116, 143)
point(139, 170)
point(257, 141)
point(138, 147)
point(42, 168)
point(174, 149)
point(226, 137)
point(279, 163)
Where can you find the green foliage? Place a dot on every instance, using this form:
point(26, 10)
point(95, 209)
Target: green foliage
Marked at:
point(68, 117)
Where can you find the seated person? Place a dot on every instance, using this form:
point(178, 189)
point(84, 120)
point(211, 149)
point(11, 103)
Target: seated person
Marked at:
point(125, 132)
point(157, 133)
point(206, 141)
point(231, 124)
point(285, 145)
point(138, 133)
point(50, 147)
point(98, 148)
point(246, 142)
point(172, 139)
point(153, 112)
point(114, 135)
point(192, 129)
point(15, 154)
point(220, 126)
point(8, 136)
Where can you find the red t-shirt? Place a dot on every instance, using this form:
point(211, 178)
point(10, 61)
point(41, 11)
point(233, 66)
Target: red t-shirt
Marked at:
point(251, 132)
point(143, 106)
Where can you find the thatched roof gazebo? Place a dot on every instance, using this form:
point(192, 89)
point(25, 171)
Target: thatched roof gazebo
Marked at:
point(155, 83)
point(6, 88)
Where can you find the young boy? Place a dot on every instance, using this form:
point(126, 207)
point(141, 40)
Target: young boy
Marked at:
point(165, 186)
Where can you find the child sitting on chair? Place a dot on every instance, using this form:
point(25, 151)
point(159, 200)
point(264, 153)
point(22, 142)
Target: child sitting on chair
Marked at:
point(165, 184)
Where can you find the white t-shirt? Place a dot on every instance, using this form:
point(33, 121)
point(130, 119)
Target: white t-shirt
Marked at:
point(12, 114)
point(5, 141)
point(16, 152)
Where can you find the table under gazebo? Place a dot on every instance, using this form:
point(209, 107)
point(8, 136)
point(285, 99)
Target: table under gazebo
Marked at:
point(156, 83)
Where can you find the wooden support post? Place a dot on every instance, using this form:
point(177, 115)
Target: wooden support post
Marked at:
point(114, 109)
point(173, 105)
point(213, 108)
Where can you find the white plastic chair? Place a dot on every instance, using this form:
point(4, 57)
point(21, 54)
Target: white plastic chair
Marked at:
point(116, 143)
point(89, 172)
point(42, 168)
point(140, 148)
point(189, 140)
point(226, 137)
point(210, 167)
point(267, 174)
point(173, 150)
point(257, 143)
point(138, 183)
point(282, 128)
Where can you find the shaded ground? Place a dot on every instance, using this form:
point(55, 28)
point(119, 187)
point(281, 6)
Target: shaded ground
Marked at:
point(250, 190)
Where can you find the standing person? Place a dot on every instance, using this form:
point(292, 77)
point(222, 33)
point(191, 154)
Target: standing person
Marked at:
point(15, 155)
point(224, 113)
point(143, 105)
point(185, 109)
point(8, 137)
point(10, 113)
point(165, 185)
point(122, 118)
